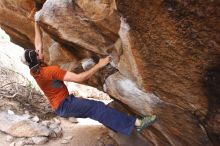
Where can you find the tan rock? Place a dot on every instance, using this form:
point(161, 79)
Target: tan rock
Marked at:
point(81, 27)
point(64, 141)
point(12, 144)
point(62, 57)
point(73, 120)
point(68, 138)
point(20, 143)
point(39, 140)
point(9, 138)
point(21, 126)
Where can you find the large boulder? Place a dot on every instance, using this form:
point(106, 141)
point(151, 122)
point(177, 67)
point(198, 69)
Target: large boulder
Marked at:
point(174, 124)
point(18, 26)
point(21, 126)
point(166, 53)
point(16, 18)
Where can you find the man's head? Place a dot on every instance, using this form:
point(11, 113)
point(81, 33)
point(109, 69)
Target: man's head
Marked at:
point(30, 58)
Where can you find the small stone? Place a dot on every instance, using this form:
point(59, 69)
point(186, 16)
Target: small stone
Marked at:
point(72, 120)
point(35, 119)
point(64, 141)
point(10, 112)
point(9, 138)
point(53, 134)
point(68, 138)
point(39, 140)
point(46, 123)
point(53, 126)
point(12, 144)
point(29, 141)
point(20, 143)
point(58, 131)
point(56, 121)
point(27, 112)
point(27, 116)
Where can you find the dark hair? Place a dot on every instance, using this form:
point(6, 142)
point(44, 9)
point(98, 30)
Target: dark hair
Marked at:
point(31, 57)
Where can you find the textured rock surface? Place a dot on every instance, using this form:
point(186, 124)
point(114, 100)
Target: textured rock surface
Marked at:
point(18, 25)
point(16, 18)
point(166, 47)
point(81, 17)
point(39, 140)
point(173, 123)
point(21, 126)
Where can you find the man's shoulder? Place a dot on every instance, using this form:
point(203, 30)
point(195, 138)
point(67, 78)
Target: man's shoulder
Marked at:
point(50, 67)
point(48, 71)
point(54, 72)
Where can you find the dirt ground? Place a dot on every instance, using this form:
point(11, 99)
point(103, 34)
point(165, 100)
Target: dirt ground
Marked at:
point(82, 135)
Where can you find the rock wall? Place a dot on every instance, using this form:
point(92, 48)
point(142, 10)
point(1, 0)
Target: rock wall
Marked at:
point(165, 56)
point(17, 25)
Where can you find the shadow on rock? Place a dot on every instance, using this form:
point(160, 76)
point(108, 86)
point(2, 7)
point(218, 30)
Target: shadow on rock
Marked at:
point(211, 82)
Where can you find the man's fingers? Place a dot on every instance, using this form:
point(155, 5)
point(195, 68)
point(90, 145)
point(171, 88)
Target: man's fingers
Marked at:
point(109, 58)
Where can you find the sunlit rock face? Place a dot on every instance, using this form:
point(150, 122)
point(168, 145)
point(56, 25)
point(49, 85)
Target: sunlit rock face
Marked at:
point(165, 54)
point(14, 20)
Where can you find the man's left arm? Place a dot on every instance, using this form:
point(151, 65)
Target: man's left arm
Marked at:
point(38, 41)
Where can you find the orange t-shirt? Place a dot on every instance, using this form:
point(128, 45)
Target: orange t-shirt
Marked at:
point(50, 80)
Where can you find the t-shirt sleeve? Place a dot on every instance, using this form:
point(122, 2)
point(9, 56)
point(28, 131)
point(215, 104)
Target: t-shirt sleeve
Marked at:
point(57, 73)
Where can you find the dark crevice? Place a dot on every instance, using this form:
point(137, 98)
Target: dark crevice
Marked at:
point(39, 4)
point(211, 82)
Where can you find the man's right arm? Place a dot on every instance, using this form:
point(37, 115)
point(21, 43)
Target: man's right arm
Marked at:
point(79, 78)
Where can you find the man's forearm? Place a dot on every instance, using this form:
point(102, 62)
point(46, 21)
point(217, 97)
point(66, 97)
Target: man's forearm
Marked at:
point(38, 39)
point(72, 77)
point(87, 74)
point(81, 77)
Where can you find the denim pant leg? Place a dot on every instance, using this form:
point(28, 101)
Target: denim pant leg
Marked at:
point(83, 108)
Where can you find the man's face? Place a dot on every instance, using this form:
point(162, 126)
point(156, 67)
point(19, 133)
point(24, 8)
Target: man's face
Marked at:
point(40, 57)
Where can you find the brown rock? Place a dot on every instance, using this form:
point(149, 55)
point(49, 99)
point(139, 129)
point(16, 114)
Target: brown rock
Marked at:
point(85, 24)
point(62, 57)
point(174, 123)
point(18, 25)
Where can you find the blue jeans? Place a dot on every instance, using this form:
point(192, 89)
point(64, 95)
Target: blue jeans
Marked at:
point(85, 108)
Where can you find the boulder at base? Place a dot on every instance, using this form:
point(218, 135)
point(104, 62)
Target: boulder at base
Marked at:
point(21, 126)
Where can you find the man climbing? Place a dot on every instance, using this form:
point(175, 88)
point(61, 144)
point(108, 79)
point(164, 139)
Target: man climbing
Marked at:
point(51, 81)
